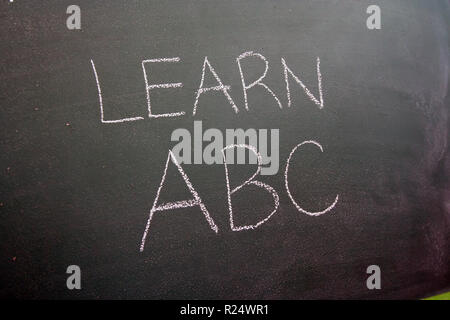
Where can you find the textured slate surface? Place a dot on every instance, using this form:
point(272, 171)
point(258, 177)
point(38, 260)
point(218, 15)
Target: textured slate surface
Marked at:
point(76, 191)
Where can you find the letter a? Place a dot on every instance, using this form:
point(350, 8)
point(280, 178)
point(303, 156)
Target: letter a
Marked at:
point(374, 281)
point(220, 87)
point(73, 22)
point(374, 20)
point(196, 201)
point(74, 281)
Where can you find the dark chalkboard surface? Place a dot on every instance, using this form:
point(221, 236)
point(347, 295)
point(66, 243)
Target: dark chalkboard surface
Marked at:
point(78, 191)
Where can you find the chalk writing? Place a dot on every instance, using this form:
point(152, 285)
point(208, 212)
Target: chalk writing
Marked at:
point(225, 89)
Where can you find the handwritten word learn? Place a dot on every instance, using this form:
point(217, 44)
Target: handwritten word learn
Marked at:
point(197, 201)
point(220, 87)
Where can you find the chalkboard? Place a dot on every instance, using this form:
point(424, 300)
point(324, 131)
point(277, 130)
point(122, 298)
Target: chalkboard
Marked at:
point(355, 93)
